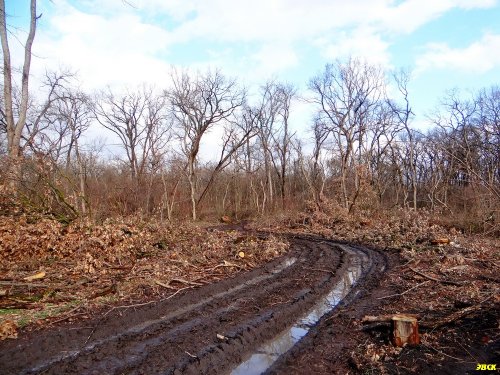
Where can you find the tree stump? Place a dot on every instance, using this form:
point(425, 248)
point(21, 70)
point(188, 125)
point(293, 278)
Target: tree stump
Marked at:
point(405, 330)
point(225, 219)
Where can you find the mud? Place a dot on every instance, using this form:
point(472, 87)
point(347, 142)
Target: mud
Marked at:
point(209, 330)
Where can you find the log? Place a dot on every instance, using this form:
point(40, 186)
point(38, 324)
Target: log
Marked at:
point(405, 330)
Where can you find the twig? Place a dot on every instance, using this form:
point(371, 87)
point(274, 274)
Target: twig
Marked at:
point(130, 306)
point(186, 282)
point(319, 269)
point(406, 291)
point(158, 282)
point(30, 285)
point(68, 315)
point(226, 265)
point(189, 354)
point(434, 278)
point(447, 355)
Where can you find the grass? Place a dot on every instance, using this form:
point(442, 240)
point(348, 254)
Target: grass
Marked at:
point(10, 311)
point(24, 317)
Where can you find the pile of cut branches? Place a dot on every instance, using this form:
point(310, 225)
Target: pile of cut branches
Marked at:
point(50, 271)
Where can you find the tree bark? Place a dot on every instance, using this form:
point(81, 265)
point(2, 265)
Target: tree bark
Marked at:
point(15, 128)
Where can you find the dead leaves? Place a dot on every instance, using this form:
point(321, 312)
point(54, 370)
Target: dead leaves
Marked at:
point(8, 330)
point(125, 258)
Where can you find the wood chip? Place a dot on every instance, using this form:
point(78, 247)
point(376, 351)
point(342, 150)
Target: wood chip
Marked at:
point(37, 276)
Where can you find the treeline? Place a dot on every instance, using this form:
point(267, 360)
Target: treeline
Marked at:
point(362, 153)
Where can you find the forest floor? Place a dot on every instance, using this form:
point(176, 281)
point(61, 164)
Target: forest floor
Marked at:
point(448, 280)
point(78, 284)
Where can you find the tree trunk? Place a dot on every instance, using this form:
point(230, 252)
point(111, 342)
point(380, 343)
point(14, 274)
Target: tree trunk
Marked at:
point(192, 186)
point(15, 129)
point(81, 172)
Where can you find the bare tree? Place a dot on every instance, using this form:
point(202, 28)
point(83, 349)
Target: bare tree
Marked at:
point(15, 123)
point(404, 115)
point(198, 103)
point(236, 135)
point(313, 169)
point(74, 113)
point(283, 137)
point(346, 95)
point(271, 116)
point(139, 121)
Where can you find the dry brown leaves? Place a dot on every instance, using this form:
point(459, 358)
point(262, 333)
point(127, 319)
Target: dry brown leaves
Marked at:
point(84, 265)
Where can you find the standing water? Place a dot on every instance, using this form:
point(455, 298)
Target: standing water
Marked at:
point(269, 352)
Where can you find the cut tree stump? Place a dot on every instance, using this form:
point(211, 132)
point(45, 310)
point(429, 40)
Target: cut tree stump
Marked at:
point(225, 219)
point(405, 330)
point(440, 241)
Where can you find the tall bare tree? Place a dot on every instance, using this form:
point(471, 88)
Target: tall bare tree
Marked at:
point(139, 121)
point(404, 114)
point(283, 137)
point(346, 95)
point(198, 103)
point(271, 116)
point(74, 112)
point(15, 122)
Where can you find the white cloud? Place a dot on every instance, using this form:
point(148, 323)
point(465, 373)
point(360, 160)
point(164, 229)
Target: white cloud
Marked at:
point(102, 50)
point(290, 20)
point(479, 57)
point(273, 58)
point(409, 15)
point(128, 42)
point(362, 42)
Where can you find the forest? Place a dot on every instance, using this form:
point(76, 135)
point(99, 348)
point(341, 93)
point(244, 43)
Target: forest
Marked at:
point(361, 152)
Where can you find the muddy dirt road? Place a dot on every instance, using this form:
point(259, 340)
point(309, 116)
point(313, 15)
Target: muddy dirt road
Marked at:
point(215, 329)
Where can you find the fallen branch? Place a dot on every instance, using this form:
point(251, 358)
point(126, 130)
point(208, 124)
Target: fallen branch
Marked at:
point(30, 285)
point(406, 291)
point(434, 278)
point(186, 282)
point(457, 315)
point(226, 264)
point(376, 319)
point(158, 282)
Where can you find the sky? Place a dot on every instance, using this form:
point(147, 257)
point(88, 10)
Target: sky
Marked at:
point(446, 44)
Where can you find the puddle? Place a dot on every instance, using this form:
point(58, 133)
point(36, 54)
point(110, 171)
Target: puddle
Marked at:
point(269, 352)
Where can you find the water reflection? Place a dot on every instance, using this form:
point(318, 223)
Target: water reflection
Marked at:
point(268, 353)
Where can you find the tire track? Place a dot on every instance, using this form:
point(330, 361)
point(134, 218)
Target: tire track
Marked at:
point(179, 336)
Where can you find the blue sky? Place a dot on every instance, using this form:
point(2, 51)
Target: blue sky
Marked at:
point(446, 43)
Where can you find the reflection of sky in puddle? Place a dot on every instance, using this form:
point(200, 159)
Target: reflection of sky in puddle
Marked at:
point(268, 353)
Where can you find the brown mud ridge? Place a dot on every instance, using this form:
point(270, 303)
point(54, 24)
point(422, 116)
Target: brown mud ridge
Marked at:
point(209, 330)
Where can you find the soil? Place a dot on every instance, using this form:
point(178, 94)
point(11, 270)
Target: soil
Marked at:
point(213, 328)
point(207, 330)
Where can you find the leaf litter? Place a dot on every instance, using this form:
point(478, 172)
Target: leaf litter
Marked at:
point(50, 272)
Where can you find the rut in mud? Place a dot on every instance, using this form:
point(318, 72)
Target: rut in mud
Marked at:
point(209, 330)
